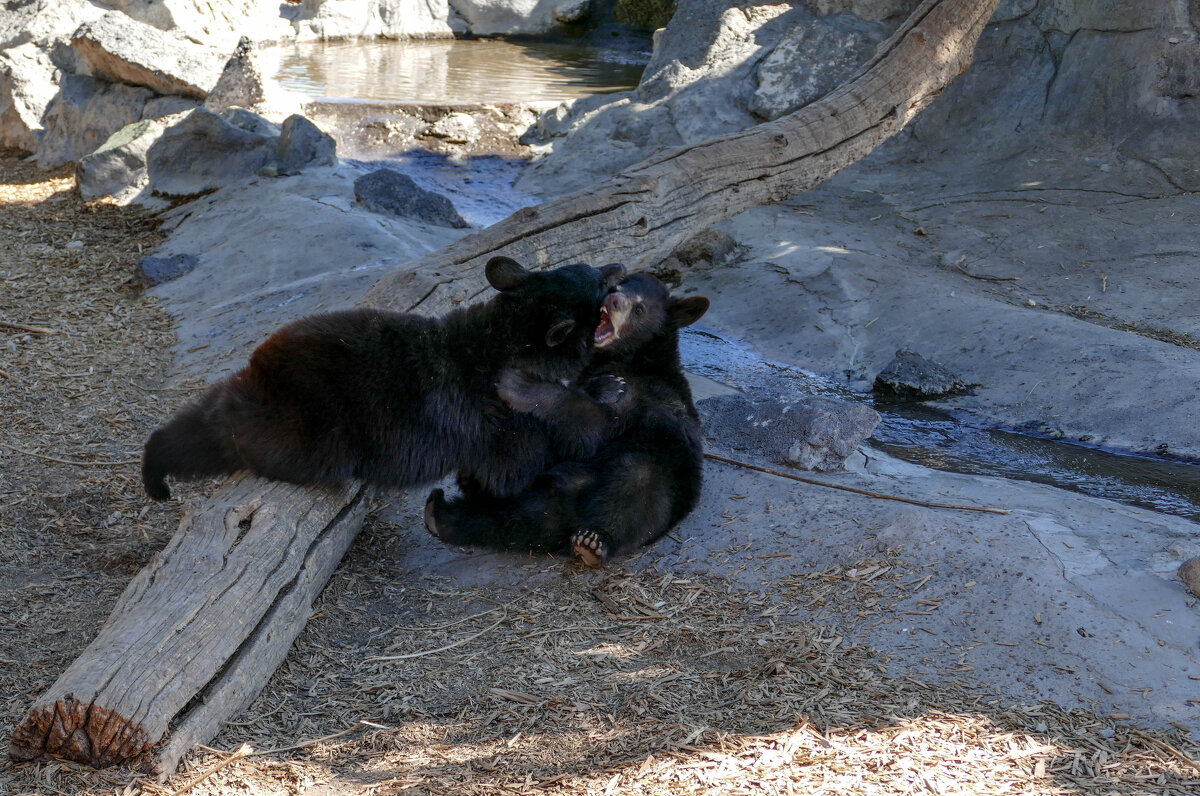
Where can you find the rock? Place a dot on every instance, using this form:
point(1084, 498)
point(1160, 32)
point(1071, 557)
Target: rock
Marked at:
point(205, 151)
point(388, 191)
point(160, 107)
point(118, 167)
point(121, 49)
point(912, 377)
point(302, 143)
point(489, 17)
point(811, 60)
point(217, 23)
point(813, 434)
point(84, 114)
point(42, 23)
point(28, 83)
point(696, 87)
point(1189, 573)
point(652, 14)
point(392, 19)
point(241, 82)
point(455, 128)
point(153, 271)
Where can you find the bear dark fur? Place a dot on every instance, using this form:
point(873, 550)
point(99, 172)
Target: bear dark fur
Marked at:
point(392, 398)
point(644, 478)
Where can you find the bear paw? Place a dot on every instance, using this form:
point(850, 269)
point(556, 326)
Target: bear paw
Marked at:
point(606, 388)
point(433, 506)
point(591, 547)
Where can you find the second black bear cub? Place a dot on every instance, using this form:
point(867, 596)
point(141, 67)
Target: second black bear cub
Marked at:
point(395, 399)
point(646, 475)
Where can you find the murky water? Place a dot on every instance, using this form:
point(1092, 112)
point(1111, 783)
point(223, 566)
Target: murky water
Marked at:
point(937, 440)
point(452, 70)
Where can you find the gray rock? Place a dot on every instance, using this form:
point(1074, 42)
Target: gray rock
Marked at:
point(388, 191)
point(811, 60)
point(487, 17)
point(392, 19)
point(455, 128)
point(697, 86)
point(160, 107)
point(84, 114)
point(42, 23)
point(121, 49)
point(28, 83)
point(251, 122)
point(813, 434)
point(241, 83)
point(153, 271)
point(302, 143)
point(218, 23)
point(118, 167)
point(1189, 574)
point(205, 151)
point(912, 377)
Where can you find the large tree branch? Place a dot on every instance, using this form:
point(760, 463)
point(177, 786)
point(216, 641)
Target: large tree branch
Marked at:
point(639, 216)
point(219, 608)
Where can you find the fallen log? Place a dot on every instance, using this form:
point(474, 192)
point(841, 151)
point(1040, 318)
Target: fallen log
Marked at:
point(213, 615)
point(218, 609)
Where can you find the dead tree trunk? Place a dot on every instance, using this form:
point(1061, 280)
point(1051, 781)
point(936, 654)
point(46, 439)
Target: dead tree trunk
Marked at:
point(217, 610)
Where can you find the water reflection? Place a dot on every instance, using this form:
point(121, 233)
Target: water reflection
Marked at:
point(452, 70)
point(937, 440)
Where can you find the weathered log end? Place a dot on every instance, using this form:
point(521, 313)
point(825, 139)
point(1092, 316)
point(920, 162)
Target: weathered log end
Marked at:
point(82, 732)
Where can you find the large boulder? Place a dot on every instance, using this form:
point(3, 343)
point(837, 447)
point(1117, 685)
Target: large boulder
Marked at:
point(813, 434)
point(302, 144)
point(44, 23)
point(700, 83)
point(389, 192)
point(118, 48)
point(217, 23)
point(28, 83)
point(811, 60)
point(82, 116)
point(392, 19)
point(490, 17)
point(118, 167)
point(205, 151)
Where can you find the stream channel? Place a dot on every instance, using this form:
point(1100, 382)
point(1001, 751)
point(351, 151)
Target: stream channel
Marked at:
point(470, 71)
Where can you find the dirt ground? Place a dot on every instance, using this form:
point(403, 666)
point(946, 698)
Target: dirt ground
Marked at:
point(540, 677)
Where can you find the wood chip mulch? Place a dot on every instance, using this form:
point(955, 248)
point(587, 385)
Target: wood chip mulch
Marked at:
point(573, 682)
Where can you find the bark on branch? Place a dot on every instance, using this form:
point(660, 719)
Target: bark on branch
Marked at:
point(639, 216)
point(217, 610)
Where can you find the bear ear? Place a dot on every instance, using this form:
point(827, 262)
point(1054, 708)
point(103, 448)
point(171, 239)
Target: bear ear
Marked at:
point(559, 332)
point(505, 273)
point(612, 274)
point(685, 312)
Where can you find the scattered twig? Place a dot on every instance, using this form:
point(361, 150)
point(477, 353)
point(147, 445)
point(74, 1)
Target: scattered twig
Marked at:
point(1166, 747)
point(68, 461)
point(855, 490)
point(243, 751)
point(988, 278)
point(20, 327)
point(314, 741)
point(504, 615)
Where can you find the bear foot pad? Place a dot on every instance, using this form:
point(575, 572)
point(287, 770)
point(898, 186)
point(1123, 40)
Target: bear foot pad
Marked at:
point(590, 547)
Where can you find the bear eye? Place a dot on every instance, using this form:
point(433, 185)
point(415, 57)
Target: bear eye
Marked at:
point(639, 309)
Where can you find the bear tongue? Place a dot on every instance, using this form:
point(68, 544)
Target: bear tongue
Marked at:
point(604, 331)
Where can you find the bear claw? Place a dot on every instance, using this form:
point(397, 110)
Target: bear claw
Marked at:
point(591, 548)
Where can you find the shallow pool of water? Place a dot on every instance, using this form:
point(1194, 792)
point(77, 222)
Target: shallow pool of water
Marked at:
point(452, 70)
point(944, 442)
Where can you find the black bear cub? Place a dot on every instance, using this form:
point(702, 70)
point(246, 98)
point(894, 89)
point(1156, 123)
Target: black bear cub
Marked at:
point(635, 401)
point(395, 399)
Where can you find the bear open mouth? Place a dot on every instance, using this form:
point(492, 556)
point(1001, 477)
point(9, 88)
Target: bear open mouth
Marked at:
point(605, 331)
